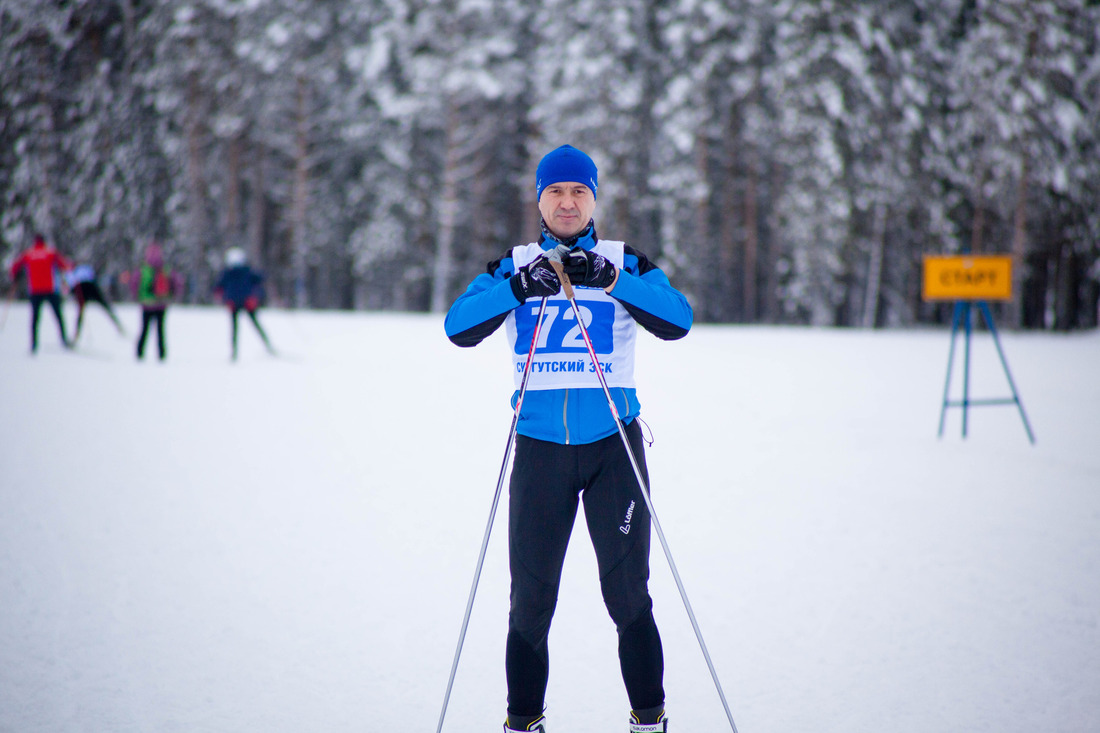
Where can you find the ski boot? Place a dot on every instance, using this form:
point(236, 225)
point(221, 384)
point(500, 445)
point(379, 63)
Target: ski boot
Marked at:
point(525, 724)
point(650, 720)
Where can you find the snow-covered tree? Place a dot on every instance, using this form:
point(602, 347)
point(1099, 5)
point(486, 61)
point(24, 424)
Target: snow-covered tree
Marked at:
point(784, 161)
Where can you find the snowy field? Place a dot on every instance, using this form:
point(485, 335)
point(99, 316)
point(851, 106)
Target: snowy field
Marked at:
point(286, 545)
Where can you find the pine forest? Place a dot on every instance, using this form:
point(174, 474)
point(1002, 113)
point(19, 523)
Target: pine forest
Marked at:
point(784, 161)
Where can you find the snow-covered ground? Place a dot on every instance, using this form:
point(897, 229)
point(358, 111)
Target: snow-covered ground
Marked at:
point(287, 545)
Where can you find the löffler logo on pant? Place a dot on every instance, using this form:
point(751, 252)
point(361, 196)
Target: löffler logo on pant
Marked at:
point(625, 528)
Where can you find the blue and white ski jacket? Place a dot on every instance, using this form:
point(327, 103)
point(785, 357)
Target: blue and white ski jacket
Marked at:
point(572, 415)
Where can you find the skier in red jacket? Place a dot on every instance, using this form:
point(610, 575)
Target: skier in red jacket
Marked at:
point(42, 263)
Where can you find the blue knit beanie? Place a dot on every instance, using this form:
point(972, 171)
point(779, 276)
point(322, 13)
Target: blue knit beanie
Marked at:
point(565, 164)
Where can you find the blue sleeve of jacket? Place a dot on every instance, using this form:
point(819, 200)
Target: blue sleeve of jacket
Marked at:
point(483, 307)
point(646, 293)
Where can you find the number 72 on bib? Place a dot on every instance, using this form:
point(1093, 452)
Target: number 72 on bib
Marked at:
point(560, 333)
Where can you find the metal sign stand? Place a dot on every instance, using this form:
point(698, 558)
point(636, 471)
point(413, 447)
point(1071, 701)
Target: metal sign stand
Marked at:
point(963, 314)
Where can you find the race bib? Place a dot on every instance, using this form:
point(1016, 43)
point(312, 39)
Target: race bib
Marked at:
point(561, 359)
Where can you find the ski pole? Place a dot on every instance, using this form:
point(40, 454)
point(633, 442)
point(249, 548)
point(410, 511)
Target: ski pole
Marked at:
point(493, 509)
point(568, 288)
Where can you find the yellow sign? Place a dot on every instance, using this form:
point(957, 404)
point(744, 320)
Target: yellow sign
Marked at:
point(979, 277)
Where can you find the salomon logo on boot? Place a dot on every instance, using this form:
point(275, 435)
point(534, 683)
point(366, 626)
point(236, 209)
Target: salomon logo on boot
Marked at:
point(654, 721)
point(661, 727)
point(525, 725)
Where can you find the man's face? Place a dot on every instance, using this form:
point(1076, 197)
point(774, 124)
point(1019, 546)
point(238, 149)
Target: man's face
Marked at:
point(567, 207)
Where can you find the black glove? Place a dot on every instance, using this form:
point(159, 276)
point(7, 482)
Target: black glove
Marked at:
point(536, 280)
point(588, 269)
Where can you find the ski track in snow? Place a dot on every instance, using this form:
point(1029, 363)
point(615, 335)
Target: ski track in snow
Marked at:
point(287, 544)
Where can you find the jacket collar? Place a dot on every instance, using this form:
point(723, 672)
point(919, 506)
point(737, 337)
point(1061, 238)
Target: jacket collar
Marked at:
point(585, 239)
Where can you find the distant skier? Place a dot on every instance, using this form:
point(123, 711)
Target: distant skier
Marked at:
point(85, 288)
point(155, 286)
point(567, 449)
point(43, 264)
point(241, 288)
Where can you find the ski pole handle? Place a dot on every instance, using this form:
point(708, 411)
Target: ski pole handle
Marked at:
point(562, 277)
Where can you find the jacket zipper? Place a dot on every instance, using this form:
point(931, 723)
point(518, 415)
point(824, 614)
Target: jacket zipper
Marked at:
point(565, 416)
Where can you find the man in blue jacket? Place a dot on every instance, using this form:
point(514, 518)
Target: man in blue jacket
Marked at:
point(568, 449)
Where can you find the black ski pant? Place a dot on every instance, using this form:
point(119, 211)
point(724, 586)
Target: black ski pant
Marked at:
point(54, 300)
point(234, 314)
point(548, 482)
point(151, 316)
point(87, 292)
